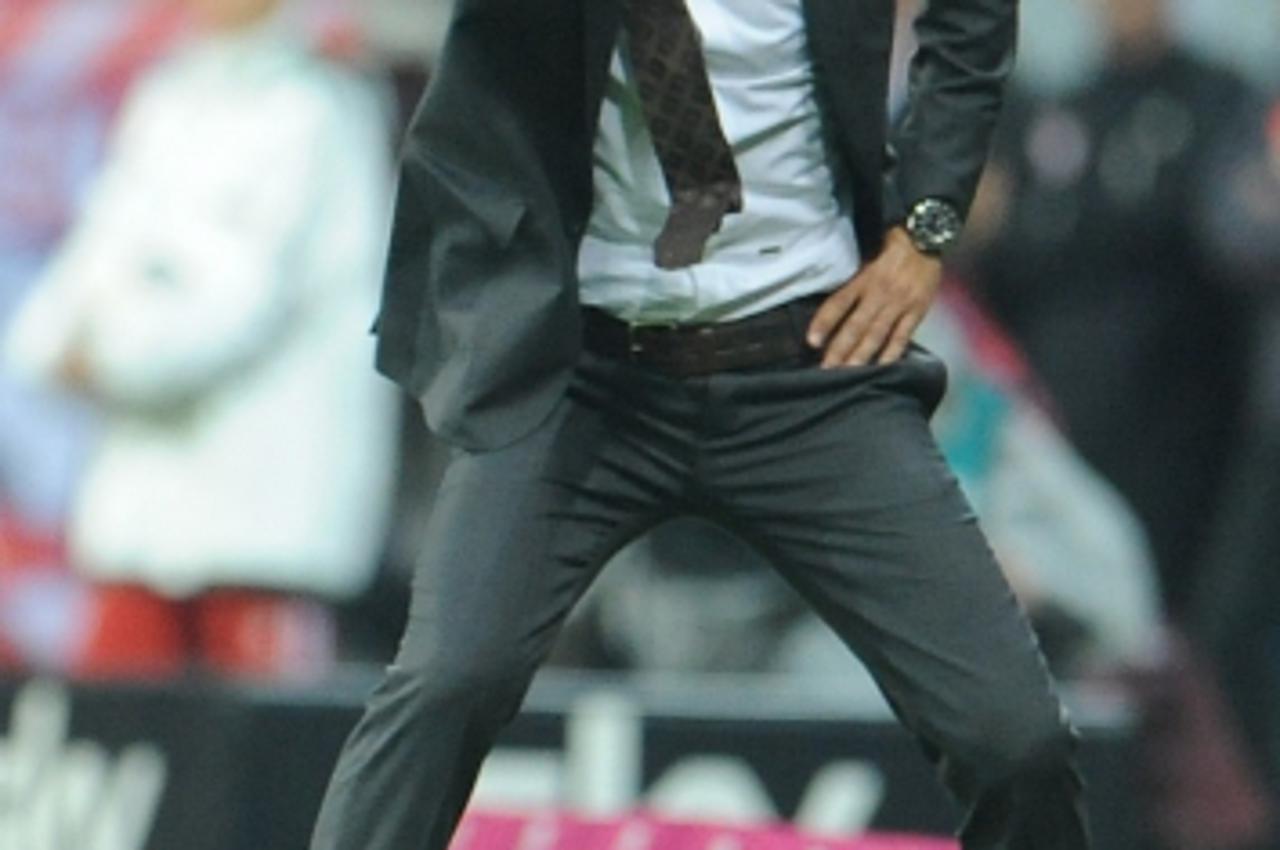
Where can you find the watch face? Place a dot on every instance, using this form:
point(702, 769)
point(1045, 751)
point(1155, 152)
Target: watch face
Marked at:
point(934, 225)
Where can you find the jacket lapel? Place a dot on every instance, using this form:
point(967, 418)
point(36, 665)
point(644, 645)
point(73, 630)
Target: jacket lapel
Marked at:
point(844, 33)
point(601, 19)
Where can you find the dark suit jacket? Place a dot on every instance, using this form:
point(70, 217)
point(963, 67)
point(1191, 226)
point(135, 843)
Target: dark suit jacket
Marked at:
point(480, 314)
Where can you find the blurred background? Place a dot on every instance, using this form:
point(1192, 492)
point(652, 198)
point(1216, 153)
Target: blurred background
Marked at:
point(210, 506)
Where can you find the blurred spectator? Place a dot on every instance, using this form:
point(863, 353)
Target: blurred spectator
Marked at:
point(1137, 323)
point(1238, 597)
point(212, 301)
point(1075, 554)
point(63, 69)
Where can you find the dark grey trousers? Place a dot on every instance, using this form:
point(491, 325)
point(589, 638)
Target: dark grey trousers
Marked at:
point(833, 474)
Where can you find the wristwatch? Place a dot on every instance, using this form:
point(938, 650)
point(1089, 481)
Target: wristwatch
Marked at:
point(934, 226)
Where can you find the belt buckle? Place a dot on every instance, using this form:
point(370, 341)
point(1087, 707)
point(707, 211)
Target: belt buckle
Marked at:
point(634, 345)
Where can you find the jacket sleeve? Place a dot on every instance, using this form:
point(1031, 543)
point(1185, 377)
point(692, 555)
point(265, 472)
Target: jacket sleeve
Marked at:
point(955, 89)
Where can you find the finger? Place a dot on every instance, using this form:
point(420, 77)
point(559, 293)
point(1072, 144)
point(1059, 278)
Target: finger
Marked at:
point(873, 338)
point(900, 338)
point(850, 334)
point(832, 313)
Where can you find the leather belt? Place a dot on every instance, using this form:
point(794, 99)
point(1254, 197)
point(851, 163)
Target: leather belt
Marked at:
point(769, 338)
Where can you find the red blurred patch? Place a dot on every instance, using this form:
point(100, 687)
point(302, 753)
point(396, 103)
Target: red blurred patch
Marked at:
point(646, 831)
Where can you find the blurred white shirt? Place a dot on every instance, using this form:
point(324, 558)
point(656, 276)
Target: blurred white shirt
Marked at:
point(219, 284)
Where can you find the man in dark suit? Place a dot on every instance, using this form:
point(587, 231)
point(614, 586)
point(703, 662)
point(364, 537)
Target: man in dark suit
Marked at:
point(653, 257)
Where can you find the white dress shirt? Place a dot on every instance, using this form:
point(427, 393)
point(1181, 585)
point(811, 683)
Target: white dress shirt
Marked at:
point(791, 238)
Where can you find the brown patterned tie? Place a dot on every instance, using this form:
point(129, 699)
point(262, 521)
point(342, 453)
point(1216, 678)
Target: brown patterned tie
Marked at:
point(697, 164)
